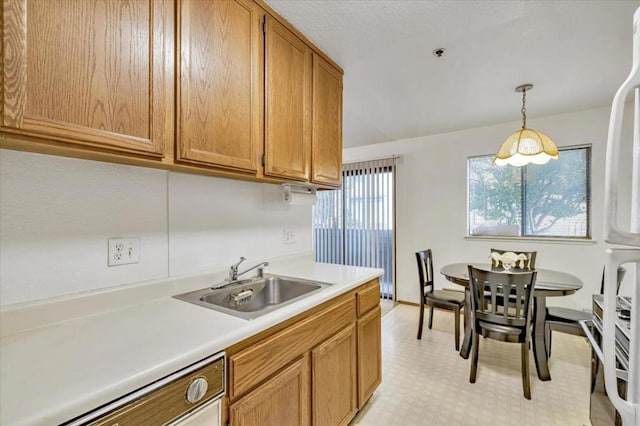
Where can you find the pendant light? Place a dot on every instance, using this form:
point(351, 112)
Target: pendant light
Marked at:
point(526, 145)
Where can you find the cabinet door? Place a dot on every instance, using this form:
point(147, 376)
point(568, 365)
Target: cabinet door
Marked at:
point(369, 355)
point(283, 400)
point(97, 73)
point(220, 83)
point(326, 141)
point(334, 384)
point(288, 103)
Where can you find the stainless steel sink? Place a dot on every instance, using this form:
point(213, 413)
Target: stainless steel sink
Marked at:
point(252, 298)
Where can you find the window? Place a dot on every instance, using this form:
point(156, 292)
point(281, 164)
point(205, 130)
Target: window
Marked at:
point(551, 200)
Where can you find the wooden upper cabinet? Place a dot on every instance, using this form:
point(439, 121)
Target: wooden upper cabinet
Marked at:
point(287, 103)
point(326, 142)
point(218, 87)
point(95, 73)
point(220, 91)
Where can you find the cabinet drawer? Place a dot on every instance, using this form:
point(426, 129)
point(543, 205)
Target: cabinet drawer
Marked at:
point(368, 297)
point(253, 365)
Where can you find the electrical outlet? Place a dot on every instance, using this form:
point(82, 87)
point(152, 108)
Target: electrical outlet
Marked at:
point(289, 236)
point(123, 251)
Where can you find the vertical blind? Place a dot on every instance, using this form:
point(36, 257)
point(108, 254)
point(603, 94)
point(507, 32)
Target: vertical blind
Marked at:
point(355, 225)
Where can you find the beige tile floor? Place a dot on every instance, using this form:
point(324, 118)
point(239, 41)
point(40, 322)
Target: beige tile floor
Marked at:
point(425, 382)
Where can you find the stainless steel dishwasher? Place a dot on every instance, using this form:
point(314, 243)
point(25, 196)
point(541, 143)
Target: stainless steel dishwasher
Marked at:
point(190, 396)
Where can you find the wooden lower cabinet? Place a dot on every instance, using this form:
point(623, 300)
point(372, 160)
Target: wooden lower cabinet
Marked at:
point(283, 400)
point(318, 368)
point(369, 355)
point(334, 383)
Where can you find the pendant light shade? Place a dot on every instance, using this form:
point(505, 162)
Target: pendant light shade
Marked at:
point(526, 145)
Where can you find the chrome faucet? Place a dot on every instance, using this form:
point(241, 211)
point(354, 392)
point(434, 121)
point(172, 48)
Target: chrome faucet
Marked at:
point(260, 267)
point(234, 274)
point(233, 270)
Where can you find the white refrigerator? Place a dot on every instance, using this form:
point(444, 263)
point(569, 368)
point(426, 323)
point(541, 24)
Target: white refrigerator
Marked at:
point(622, 228)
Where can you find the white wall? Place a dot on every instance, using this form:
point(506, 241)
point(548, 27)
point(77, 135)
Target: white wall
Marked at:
point(212, 222)
point(432, 199)
point(56, 215)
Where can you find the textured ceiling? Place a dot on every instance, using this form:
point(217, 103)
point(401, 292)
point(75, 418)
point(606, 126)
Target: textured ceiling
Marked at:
point(576, 53)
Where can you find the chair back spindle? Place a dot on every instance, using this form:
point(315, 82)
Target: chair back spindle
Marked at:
point(501, 309)
point(490, 290)
point(621, 273)
point(425, 270)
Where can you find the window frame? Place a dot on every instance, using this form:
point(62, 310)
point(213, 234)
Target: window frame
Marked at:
point(522, 226)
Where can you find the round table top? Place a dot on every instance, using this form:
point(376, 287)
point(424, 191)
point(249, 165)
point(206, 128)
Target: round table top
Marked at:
point(548, 281)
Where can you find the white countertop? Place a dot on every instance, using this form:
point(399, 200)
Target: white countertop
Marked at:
point(61, 359)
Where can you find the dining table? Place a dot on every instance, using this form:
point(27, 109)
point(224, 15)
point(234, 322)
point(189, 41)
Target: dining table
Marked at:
point(549, 283)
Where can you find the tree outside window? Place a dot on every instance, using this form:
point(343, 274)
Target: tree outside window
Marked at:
point(550, 200)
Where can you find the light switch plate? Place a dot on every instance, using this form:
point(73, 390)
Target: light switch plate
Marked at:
point(289, 236)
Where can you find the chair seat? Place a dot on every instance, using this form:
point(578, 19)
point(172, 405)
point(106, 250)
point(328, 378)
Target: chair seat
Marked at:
point(555, 313)
point(447, 296)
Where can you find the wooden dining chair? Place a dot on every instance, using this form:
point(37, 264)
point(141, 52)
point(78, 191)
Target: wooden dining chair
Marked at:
point(567, 320)
point(495, 320)
point(446, 299)
point(527, 264)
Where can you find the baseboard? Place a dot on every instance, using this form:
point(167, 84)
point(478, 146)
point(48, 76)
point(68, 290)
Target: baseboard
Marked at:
point(404, 302)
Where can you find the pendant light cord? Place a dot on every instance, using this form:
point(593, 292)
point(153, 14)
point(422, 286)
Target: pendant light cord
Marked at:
point(524, 110)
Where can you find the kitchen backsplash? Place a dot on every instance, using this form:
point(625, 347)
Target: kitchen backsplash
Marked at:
point(57, 214)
